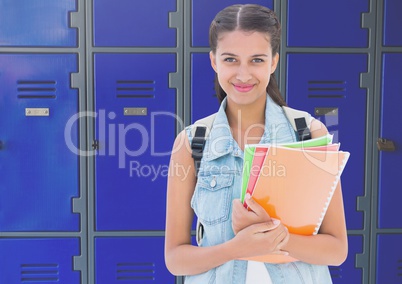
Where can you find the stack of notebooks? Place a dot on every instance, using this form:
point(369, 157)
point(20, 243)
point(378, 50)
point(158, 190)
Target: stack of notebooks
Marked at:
point(293, 183)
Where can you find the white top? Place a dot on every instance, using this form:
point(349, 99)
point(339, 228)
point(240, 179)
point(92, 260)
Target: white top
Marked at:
point(257, 273)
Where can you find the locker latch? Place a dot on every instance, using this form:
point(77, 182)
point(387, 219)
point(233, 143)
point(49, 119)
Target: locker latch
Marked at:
point(95, 145)
point(1, 145)
point(385, 145)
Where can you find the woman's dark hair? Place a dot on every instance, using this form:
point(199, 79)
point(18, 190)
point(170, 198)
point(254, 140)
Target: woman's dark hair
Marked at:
point(249, 18)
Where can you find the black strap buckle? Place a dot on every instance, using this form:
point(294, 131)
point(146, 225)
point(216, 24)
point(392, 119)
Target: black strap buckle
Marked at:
point(302, 130)
point(198, 142)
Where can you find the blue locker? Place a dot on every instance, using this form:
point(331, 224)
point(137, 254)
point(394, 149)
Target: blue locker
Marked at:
point(204, 11)
point(203, 96)
point(328, 87)
point(136, 127)
point(390, 168)
point(37, 23)
point(133, 23)
point(39, 260)
point(316, 23)
point(39, 169)
point(131, 260)
point(389, 258)
point(347, 272)
point(392, 35)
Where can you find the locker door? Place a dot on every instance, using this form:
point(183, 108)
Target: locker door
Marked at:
point(328, 87)
point(133, 23)
point(204, 11)
point(389, 258)
point(203, 96)
point(390, 167)
point(37, 23)
point(38, 260)
point(131, 260)
point(392, 35)
point(39, 172)
point(316, 23)
point(135, 126)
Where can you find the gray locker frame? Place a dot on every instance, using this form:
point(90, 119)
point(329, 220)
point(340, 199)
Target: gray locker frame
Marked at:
point(175, 21)
point(77, 20)
point(82, 20)
point(375, 165)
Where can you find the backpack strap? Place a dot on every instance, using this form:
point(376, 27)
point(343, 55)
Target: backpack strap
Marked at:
point(300, 121)
point(200, 131)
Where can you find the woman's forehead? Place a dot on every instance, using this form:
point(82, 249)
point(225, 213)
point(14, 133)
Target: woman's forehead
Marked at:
point(239, 39)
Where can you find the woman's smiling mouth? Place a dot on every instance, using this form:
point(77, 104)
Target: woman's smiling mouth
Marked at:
point(243, 87)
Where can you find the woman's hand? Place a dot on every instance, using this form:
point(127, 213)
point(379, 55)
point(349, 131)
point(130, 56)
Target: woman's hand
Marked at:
point(242, 218)
point(256, 231)
point(261, 239)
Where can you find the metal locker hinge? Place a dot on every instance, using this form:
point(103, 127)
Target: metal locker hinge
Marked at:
point(95, 145)
point(385, 145)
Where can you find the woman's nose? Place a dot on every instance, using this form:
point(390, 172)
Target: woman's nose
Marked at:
point(243, 73)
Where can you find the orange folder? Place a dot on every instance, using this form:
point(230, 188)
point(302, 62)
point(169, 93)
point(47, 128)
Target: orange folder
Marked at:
point(296, 187)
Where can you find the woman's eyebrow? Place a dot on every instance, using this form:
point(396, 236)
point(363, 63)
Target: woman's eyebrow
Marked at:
point(260, 55)
point(228, 54)
point(234, 55)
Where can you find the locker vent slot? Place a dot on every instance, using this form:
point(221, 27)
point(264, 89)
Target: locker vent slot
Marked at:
point(399, 268)
point(40, 273)
point(36, 89)
point(326, 89)
point(336, 272)
point(135, 272)
point(135, 89)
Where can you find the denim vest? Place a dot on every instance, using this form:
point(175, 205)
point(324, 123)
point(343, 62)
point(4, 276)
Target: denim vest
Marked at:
point(219, 182)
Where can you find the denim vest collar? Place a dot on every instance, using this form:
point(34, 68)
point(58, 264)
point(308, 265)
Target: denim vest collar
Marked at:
point(220, 140)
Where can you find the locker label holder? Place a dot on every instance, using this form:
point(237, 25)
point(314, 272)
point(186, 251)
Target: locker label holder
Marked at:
point(135, 111)
point(37, 112)
point(322, 111)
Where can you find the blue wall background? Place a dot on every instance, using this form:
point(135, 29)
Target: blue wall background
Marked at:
point(93, 93)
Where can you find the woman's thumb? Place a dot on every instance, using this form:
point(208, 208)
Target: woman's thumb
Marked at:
point(254, 206)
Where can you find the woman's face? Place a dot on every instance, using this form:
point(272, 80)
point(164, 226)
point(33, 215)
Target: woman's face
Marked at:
point(244, 63)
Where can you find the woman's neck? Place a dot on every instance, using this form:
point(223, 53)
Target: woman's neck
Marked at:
point(247, 122)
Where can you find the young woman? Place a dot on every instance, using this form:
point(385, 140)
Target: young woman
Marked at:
point(244, 41)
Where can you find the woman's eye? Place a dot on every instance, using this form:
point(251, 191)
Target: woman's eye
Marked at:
point(230, 59)
point(258, 60)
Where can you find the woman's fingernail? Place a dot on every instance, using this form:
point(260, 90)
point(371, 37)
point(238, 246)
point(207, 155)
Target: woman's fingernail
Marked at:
point(276, 221)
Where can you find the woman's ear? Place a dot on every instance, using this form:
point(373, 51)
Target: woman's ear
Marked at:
point(274, 63)
point(212, 57)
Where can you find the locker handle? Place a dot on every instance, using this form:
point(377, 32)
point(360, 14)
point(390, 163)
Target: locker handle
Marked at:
point(385, 145)
point(1, 145)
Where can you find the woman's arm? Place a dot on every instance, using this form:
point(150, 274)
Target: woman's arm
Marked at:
point(330, 245)
point(181, 257)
